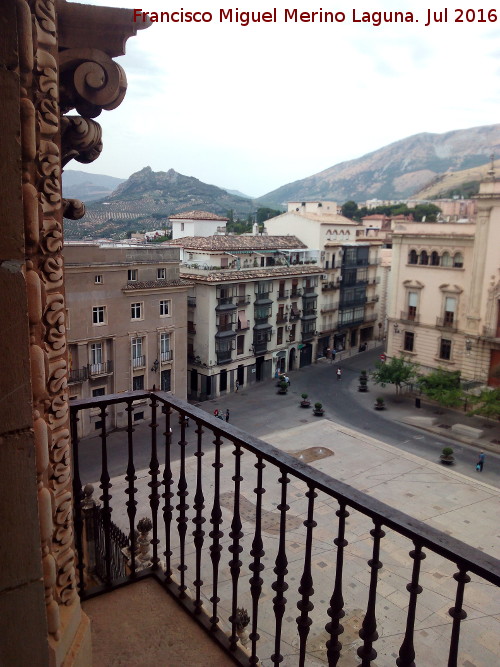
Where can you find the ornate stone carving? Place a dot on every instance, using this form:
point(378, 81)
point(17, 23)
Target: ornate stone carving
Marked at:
point(81, 139)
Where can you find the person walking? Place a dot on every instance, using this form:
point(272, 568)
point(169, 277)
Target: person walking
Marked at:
point(480, 462)
point(339, 373)
point(216, 412)
point(237, 385)
point(227, 415)
point(334, 354)
point(287, 380)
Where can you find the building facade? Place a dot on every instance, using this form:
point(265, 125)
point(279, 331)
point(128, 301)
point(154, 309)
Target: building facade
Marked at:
point(446, 290)
point(127, 318)
point(197, 223)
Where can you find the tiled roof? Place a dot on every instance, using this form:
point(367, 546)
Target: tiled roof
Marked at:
point(196, 215)
point(324, 218)
point(155, 284)
point(261, 273)
point(237, 242)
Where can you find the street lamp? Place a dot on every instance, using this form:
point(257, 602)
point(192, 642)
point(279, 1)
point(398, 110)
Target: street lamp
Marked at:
point(396, 328)
point(468, 344)
point(155, 366)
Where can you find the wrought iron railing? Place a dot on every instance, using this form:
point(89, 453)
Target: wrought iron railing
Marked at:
point(216, 550)
point(78, 374)
point(102, 368)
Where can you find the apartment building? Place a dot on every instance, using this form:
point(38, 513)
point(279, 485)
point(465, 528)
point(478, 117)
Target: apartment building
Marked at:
point(197, 223)
point(126, 315)
point(350, 282)
point(446, 291)
point(252, 309)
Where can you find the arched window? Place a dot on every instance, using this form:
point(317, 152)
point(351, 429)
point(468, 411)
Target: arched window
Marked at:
point(412, 257)
point(424, 257)
point(434, 258)
point(446, 259)
point(458, 260)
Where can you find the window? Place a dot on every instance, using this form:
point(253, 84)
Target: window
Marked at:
point(138, 416)
point(445, 349)
point(409, 341)
point(137, 356)
point(164, 307)
point(98, 279)
point(99, 391)
point(292, 333)
point(138, 382)
point(96, 354)
point(412, 305)
point(446, 259)
point(165, 346)
point(161, 274)
point(99, 315)
point(450, 305)
point(412, 257)
point(166, 377)
point(434, 258)
point(132, 275)
point(458, 260)
point(182, 226)
point(136, 311)
point(240, 344)
point(424, 258)
point(279, 340)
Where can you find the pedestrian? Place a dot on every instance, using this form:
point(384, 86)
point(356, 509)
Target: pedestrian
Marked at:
point(334, 353)
point(237, 385)
point(227, 415)
point(339, 373)
point(216, 413)
point(480, 462)
point(287, 380)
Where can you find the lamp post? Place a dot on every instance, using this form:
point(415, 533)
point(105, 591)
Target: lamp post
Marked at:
point(155, 366)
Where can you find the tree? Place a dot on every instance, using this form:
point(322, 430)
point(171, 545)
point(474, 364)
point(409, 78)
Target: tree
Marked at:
point(488, 403)
point(398, 371)
point(429, 211)
point(443, 387)
point(264, 213)
point(349, 209)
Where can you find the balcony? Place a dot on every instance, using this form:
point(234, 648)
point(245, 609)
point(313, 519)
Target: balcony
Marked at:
point(309, 290)
point(225, 326)
point(295, 291)
point(307, 336)
point(329, 308)
point(243, 325)
point(78, 375)
point(446, 323)
point(103, 368)
point(221, 534)
point(294, 315)
point(224, 357)
point(166, 356)
point(138, 362)
point(225, 303)
point(309, 312)
point(191, 301)
point(409, 316)
point(281, 318)
point(350, 303)
point(330, 286)
point(282, 295)
point(243, 299)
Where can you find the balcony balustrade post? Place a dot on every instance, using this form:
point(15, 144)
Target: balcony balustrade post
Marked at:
point(199, 519)
point(336, 610)
point(131, 490)
point(182, 506)
point(235, 548)
point(168, 495)
point(105, 485)
point(458, 614)
point(154, 483)
point(216, 534)
point(407, 650)
point(368, 632)
point(306, 589)
point(280, 570)
point(77, 499)
point(144, 543)
point(257, 552)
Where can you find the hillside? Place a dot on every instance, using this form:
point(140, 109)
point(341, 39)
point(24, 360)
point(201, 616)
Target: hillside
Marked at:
point(145, 200)
point(395, 171)
point(464, 182)
point(88, 187)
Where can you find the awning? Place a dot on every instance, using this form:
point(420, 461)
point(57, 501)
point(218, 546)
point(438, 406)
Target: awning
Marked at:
point(262, 327)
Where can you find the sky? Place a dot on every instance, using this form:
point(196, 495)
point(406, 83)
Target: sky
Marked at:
point(254, 108)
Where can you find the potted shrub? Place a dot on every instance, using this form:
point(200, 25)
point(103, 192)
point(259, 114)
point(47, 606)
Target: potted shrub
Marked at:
point(318, 409)
point(304, 403)
point(282, 387)
point(447, 456)
point(379, 403)
point(363, 381)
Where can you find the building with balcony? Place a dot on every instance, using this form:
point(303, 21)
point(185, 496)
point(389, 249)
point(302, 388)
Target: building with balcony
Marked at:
point(127, 316)
point(444, 309)
point(252, 310)
point(351, 286)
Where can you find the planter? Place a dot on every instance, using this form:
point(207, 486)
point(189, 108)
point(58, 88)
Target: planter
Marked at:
point(447, 460)
point(319, 413)
point(362, 387)
point(379, 406)
point(305, 404)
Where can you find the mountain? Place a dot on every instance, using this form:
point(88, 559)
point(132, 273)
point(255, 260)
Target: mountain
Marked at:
point(395, 171)
point(457, 183)
point(145, 200)
point(88, 187)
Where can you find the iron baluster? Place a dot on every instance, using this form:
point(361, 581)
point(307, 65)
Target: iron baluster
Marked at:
point(105, 485)
point(168, 495)
point(368, 631)
point(458, 614)
point(407, 650)
point(216, 534)
point(199, 519)
point(131, 490)
point(306, 582)
point(336, 610)
point(154, 484)
point(257, 552)
point(182, 507)
point(280, 570)
point(235, 548)
point(78, 498)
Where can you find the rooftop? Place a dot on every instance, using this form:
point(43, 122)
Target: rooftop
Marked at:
point(251, 274)
point(197, 215)
point(222, 243)
point(152, 284)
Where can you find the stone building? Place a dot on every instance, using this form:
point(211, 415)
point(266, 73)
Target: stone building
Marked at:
point(252, 311)
point(350, 284)
point(127, 316)
point(446, 289)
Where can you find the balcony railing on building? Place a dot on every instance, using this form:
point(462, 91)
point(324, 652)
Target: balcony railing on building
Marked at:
point(309, 312)
point(295, 291)
point(294, 315)
point(138, 362)
point(197, 520)
point(102, 368)
point(226, 326)
point(243, 325)
point(243, 299)
point(446, 322)
point(166, 356)
point(282, 295)
point(356, 301)
point(409, 316)
point(330, 286)
point(308, 335)
point(491, 332)
point(78, 375)
point(329, 307)
point(281, 318)
point(224, 357)
point(191, 301)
